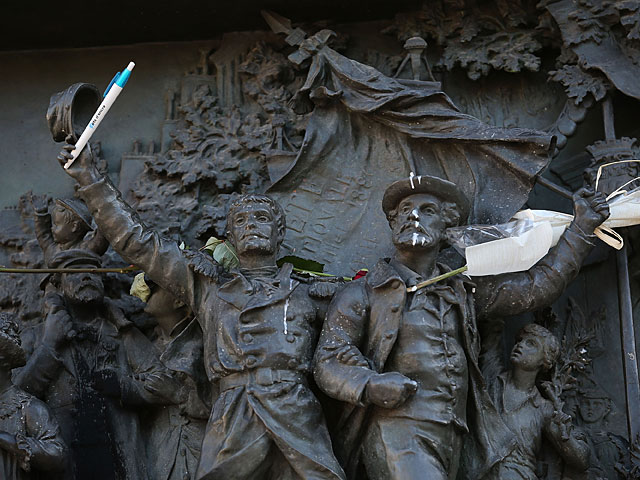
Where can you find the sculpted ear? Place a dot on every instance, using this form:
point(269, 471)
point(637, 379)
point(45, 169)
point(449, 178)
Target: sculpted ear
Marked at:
point(282, 231)
point(450, 214)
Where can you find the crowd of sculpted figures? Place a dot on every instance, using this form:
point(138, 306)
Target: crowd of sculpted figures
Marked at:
point(226, 389)
point(260, 372)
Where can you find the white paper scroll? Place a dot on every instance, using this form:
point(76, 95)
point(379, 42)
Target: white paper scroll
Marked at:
point(512, 254)
point(520, 253)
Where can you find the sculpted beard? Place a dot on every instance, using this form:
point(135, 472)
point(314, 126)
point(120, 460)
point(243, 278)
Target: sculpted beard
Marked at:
point(88, 294)
point(255, 242)
point(84, 291)
point(412, 234)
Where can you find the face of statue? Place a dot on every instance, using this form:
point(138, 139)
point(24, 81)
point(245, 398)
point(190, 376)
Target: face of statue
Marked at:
point(528, 353)
point(63, 229)
point(593, 410)
point(253, 230)
point(82, 288)
point(419, 222)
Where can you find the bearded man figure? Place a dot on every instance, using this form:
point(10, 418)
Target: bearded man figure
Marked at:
point(406, 363)
point(260, 327)
point(84, 367)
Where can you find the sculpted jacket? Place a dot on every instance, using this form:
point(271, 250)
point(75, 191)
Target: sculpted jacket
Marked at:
point(108, 342)
point(366, 316)
point(243, 328)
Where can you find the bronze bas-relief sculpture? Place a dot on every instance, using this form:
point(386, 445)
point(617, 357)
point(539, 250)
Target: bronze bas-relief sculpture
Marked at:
point(406, 364)
point(528, 415)
point(229, 129)
point(260, 327)
point(174, 431)
point(31, 445)
point(84, 367)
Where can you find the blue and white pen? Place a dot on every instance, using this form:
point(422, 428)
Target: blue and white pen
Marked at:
point(110, 95)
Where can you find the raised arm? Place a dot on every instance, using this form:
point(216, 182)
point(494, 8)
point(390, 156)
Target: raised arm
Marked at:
point(42, 226)
point(542, 284)
point(160, 258)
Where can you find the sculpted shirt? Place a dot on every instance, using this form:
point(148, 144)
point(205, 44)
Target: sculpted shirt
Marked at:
point(526, 421)
point(428, 350)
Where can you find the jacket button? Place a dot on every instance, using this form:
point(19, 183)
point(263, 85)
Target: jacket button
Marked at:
point(251, 361)
point(247, 338)
point(395, 308)
point(290, 338)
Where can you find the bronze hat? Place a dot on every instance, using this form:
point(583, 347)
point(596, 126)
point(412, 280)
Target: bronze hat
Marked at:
point(441, 188)
point(70, 111)
point(71, 257)
point(78, 208)
point(10, 345)
point(76, 256)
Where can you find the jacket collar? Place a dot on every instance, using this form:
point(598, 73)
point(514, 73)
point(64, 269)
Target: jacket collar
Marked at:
point(387, 270)
point(239, 291)
point(382, 274)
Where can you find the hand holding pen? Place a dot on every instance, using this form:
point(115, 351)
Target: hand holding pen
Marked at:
point(111, 93)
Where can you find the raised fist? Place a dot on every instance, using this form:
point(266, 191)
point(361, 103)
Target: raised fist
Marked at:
point(590, 209)
point(58, 329)
point(39, 203)
point(83, 168)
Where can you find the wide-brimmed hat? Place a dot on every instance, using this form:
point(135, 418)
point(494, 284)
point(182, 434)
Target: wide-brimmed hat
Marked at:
point(71, 110)
point(441, 188)
point(10, 345)
point(78, 208)
point(71, 257)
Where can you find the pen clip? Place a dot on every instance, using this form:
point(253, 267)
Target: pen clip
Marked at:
point(113, 80)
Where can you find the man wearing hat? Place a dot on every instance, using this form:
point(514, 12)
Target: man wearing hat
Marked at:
point(85, 368)
point(259, 326)
point(406, 363)
point(30, 440)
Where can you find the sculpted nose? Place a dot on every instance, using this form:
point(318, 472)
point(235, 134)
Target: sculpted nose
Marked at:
point(414, 215)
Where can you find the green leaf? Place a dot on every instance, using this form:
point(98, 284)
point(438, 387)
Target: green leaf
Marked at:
point(309, 266)
point(226, 255)
point(211, 244)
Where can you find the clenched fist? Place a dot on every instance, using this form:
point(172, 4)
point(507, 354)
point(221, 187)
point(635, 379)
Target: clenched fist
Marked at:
point(389, 390)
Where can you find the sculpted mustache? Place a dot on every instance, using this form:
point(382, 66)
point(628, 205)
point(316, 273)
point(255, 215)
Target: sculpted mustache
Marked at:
point(255, 234)
point(412, 225)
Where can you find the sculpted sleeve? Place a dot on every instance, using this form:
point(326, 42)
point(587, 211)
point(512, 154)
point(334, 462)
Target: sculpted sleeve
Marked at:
point(160, 258)
point(541, 285)
point(46, 446)
point(340, 368)
point(42, 227)
point(41, 370)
